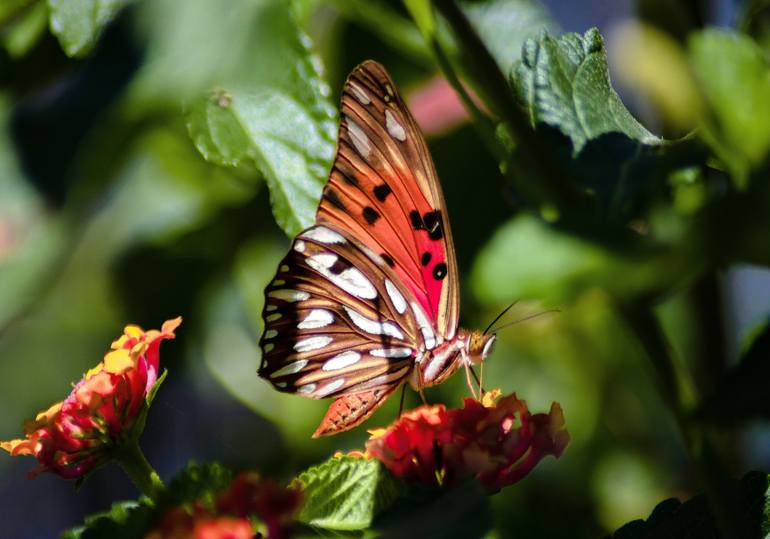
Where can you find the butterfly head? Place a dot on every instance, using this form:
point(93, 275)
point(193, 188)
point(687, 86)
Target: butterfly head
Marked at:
point(480, 345)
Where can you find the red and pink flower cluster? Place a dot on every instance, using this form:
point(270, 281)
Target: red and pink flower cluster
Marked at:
point(497, 442)
point(75, 436)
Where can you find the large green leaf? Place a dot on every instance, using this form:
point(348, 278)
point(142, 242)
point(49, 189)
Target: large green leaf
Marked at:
point(79, 23)
point(734, 76)
point(273, 113)
point(565, 83)
point(346, 493)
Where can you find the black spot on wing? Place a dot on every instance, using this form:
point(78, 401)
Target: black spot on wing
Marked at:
point(371, 215)
point(388, 260)
point(382, 191)
point(439, 271)
point(433, 224)
point(417, 223)
point(425, 260)
point(334, 198)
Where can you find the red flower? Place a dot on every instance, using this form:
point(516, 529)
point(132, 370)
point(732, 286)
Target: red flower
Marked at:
point(246, 498)
point(496, 443)
point(75, 436)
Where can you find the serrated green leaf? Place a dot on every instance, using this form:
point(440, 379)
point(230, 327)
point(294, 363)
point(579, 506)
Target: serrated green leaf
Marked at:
point(284, 127)
point(79, 23)
point(346, 493)
point(734, 76)
point(124, 520)
point(504, 25)
point(565, 83)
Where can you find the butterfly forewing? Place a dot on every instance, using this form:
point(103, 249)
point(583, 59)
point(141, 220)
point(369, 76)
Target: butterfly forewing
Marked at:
point(384, 192)
point(337, 321)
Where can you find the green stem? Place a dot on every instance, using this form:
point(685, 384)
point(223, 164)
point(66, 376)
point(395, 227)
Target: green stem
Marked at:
point(677, 390)
point(139, 470)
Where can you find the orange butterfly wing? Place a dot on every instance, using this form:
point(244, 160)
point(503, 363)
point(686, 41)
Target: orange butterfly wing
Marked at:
point(383, 191)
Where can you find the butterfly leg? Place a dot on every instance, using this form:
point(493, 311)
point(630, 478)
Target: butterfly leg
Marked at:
point(422, 396)
point(350, 410)
point(401, 403)
point(468, 372)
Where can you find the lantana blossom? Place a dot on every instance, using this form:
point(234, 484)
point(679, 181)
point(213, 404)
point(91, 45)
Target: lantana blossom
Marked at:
point(76, 435)
point(248, 498)
point(496, 440)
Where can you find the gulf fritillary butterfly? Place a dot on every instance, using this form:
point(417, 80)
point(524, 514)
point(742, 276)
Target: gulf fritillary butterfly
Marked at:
point(368, 298)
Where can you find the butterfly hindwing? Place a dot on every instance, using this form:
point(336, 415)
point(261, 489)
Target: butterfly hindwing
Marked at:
point(383, 191)
point(336, 321)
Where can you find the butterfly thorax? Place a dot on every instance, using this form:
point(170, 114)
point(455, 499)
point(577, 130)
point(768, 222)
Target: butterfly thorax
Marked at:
point(434, 366)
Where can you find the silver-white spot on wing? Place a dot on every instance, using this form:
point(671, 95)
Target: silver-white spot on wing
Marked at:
point(374, 327)
point(321, 234)
point(288, 295)
point(284, 268)
point(273, 317)
point(269, 308)
point(359, 94)
point(331, 387)
point(268, 347)
point(278, 282)
point(299, 246)
point(425, 327)
point(312, 343)
point(397, 352)
point(395, 129)
point(270, 333)
point(317, 318)
point(307, 388)
point(340, 361)
point(350, 280)
point(291, 368)
point(395, 296)
point(359, 139)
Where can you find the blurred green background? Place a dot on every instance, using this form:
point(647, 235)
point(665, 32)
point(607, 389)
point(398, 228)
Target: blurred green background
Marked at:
point(110, 214)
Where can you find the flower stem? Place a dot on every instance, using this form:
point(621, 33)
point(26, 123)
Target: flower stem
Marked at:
point(139, 470)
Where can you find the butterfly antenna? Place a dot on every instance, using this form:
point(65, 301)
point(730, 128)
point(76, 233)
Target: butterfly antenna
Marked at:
point(530, 317)
point(499, 316)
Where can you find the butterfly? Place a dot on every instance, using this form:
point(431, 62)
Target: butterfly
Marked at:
point(367, 299)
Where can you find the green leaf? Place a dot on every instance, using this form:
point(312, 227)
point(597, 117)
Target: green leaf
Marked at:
point(124, 520)
point(79, 23)
point(565, 83)
point(25, 31)
point(504, 25)
point(515, 266)
point(734, 76)
point(196, 482)
point(346, 493)
point(743, 391)
point(285, 127)
point(693, 518)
